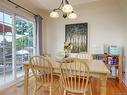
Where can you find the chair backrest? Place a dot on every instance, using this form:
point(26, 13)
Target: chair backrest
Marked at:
point(84, 56)
point(41, 69)
point(75, 76)
point(73, 55)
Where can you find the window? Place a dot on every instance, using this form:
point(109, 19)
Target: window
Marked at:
point(6, 65)
point(24, 43)
point(16, 45)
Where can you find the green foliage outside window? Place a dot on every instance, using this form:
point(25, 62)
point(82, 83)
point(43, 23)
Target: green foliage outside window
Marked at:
point(24, 28)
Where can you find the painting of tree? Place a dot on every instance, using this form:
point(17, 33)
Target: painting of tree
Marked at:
point(76, 35)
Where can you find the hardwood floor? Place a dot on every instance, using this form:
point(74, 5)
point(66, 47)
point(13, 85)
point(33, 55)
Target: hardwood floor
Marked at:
point(113, 88)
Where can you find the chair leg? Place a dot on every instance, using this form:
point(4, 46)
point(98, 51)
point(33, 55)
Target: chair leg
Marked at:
point(91, 90)
point(60, 90)
point(64, 92)
point(34, 91)
point(50, 91)
point(97, 85)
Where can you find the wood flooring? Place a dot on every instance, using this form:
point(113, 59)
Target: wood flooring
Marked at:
point(113, 88)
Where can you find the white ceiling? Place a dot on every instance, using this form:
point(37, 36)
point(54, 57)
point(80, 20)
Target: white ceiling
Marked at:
point(47, 4)
point(51, 4)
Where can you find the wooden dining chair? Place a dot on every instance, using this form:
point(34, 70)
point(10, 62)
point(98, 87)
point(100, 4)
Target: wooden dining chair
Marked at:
point(43, 72)
point(75, 77)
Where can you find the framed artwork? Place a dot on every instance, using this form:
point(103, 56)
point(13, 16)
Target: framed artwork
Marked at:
point(77, 35)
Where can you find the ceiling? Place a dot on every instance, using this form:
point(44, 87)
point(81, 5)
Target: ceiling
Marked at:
point(47, 4)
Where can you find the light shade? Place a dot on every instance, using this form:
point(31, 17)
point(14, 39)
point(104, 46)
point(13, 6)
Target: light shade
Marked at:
point(72, 15)
point(54, 14)
point(67, 8)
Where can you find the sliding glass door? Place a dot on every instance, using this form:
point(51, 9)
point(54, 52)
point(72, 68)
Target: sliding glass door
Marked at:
point(24, 43)
point(6, 65)
point(16, 46)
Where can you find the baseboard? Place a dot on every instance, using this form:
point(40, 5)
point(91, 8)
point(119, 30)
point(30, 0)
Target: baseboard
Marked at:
point(17, 83)
point(125, 84)
point(11, 84)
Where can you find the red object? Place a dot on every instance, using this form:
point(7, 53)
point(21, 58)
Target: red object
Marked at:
point(5, 28)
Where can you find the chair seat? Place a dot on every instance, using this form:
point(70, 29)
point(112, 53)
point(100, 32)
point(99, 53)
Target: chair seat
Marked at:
point(54, 85)
point(77, 91)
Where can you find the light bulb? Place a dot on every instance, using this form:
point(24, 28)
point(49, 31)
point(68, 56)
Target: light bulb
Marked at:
point(72, 15)
point(54, 14)
point(67, 8)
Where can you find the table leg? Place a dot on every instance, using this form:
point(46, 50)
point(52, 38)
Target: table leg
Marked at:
point(103, 84)
point(26, 79)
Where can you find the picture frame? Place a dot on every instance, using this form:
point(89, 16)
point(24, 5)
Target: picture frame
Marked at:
point(77, 36)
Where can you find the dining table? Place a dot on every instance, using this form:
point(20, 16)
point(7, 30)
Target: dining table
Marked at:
point(97, 69)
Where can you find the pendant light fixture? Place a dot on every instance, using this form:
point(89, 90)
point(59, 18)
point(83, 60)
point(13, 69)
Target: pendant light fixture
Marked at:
point(66, 9)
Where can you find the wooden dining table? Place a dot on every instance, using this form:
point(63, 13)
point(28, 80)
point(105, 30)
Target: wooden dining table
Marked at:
point(97, 69)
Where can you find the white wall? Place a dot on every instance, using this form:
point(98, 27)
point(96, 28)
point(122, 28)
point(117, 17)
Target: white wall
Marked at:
point(123, 4)
point(104, 25)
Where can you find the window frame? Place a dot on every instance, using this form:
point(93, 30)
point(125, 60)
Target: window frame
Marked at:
point(14, 39)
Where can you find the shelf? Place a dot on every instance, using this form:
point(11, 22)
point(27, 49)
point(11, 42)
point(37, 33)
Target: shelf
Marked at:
point(109, 58)
point(113, 55)
point(114, 77)
point(112, 65)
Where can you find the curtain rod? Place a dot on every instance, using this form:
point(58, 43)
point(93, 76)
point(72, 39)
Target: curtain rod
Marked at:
point(22, 7)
